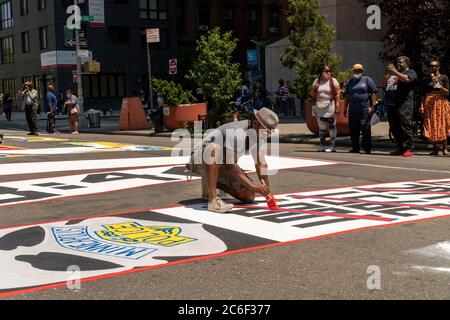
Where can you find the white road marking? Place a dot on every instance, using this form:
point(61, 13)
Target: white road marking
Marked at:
point(59, 166)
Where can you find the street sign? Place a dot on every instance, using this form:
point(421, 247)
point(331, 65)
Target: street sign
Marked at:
point(72, 43)
point(83, 54)
point(87, 19)
point(153, 35)
point(173, 66)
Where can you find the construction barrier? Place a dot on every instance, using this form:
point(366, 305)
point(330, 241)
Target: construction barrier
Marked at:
point(132, 115)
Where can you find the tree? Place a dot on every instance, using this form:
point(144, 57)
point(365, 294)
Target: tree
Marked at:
point(310, 45)
point(417, 29)
point(215, 73)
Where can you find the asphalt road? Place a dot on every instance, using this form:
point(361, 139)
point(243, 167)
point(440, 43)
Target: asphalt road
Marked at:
point(330, 267)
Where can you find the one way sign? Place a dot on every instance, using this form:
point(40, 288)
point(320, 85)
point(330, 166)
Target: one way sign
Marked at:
point(73, 43)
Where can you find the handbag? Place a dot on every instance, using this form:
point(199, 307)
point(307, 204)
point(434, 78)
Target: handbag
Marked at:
point(73, 111)
point(375, 120)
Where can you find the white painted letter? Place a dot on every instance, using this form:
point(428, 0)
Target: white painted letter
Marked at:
point(374, 21)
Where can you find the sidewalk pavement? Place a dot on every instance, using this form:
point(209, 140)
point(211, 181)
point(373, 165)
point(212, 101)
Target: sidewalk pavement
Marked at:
point(291, 130)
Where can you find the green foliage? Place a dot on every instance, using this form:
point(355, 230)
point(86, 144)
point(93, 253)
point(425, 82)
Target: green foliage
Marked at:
point(417, 29)
point(171, 93)
point(214, 71)
point(311, 38)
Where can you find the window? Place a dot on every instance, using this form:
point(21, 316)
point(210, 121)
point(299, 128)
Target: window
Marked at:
point(43, 39)
point(104, 85)
point(25, 42)
point(23, 7)
point(153, 9)
point(9, 86)
point(204, 16)
point(6, 17)
point(7, 50)
point(274, 20)
point(42, 5)
point(228, 22)
point(252, 25)
point(119, 34)
point(181, 19)
point(38, 85)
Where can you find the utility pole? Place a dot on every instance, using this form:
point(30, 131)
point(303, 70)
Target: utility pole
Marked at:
point(82, 119)
point(150, 86)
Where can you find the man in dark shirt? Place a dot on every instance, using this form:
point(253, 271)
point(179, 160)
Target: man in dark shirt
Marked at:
point(401, 105)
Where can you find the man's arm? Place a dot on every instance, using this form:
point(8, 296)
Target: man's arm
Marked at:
point(402, 77)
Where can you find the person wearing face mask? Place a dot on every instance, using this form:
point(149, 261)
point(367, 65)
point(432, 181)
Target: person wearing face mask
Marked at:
point(361, 95)
point(401, 110)
point(326, 93)
point(436, 108)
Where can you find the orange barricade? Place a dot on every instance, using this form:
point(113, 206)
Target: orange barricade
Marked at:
point(132, 115)
point(341, 121)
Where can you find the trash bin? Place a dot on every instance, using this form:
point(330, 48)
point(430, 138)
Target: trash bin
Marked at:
point(93, 118)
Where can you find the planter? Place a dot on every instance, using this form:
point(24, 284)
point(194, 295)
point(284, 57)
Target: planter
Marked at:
point(341, 121)
point(174, 116)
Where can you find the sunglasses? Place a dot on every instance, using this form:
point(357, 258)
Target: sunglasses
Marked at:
point(434, 65)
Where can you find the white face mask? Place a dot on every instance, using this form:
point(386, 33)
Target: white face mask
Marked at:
point(357, 76)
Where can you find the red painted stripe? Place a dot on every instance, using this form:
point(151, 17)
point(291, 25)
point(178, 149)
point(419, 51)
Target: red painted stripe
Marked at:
point(317, 213)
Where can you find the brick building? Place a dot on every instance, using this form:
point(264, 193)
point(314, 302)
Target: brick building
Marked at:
point(263, 21)
point(36, 46)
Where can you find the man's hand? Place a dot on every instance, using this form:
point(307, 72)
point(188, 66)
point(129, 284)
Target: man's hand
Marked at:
point(371, 111)
point(391, 69)
point(261, 189)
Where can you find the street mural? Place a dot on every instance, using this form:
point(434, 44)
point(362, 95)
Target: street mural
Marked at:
point(38, 255)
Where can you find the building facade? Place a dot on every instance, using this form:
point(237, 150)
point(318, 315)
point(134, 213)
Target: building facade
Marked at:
point(354, 41)
point(34, 32)
point(260, 21)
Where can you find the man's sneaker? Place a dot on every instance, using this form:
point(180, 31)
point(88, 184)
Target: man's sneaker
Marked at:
point(321, 149)
point(354, 151)
point(408, 154)
point(217, 205)
point(397, 153)
point(330, 150)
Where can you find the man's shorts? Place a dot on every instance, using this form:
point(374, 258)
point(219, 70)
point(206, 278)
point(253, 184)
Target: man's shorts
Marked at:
point(231, 179)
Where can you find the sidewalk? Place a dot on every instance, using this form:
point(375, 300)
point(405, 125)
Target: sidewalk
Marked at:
point(291, 130)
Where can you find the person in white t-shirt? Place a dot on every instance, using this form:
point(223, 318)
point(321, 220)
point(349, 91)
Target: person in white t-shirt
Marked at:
point(326, 93)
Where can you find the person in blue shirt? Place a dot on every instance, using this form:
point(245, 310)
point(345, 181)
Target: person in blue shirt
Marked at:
point(361, 94)
point(52, 104)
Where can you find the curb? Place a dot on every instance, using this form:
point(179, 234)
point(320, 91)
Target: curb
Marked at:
point(378, 142)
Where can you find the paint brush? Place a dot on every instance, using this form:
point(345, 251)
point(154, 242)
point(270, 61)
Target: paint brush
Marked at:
point(271, 202)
